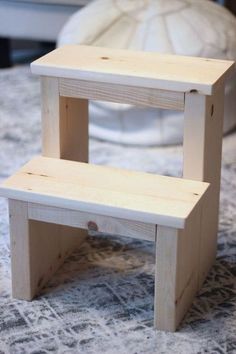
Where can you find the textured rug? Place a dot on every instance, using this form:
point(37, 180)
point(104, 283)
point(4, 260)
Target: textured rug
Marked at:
point(101, 300)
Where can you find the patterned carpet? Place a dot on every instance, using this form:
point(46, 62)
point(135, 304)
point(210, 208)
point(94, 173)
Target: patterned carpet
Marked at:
point(101, 300)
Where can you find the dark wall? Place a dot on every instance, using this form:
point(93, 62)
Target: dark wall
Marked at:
point(231, 5)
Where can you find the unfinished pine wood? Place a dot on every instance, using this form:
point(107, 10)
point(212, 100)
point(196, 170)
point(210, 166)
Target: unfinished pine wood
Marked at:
point(105, 191)
point(50, 116)
point(177, 271)
point(139, 96)
point(37, 250)
point(92, 222)
point(64, 135)
point(187, 275)
point(74, 129)
point(52, 192)
point(139, 69)
point(64, 123)
point(49, 247)
point(203, 129)
point(20, 250)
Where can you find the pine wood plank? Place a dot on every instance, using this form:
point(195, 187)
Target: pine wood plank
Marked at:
point(37, 251)
point(203, 130)
point(20, 250)
point(165, 279)
point(92, 222)
point(64, 135)
point(64, 123)
point(105, 191)
point(140, 69)
point(177, 271)
point(187, 272)
point(139, 96)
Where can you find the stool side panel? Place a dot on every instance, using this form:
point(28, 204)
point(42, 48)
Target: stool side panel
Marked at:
point(177, 271)
point(203, 129)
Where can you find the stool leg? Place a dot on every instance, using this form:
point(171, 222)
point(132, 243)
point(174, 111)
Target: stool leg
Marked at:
point(203, 128)
point(64, 136)
point(36, 251)
point(165, 279)
point(20, 250)
point(177, 272)
point(64, 123)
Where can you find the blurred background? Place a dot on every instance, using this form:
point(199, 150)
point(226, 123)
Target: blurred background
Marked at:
point(29, 28)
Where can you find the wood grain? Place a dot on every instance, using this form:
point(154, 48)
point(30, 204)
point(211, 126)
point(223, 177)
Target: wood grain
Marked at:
point(203, 130)
point(139, 96)
point(139, 69)
point(64, 135)
point(92, 222)
point(64, 123)
point(20, 250)
point(177, 271)
point(105, 191)
point(37, 251)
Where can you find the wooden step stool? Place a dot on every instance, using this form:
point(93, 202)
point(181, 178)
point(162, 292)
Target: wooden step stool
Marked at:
point(117, 202)
point(53, 200)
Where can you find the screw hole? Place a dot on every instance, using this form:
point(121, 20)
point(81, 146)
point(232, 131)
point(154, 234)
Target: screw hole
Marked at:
point(40, 282)
point(212, 110)
point(104, 58)
point(92, 226)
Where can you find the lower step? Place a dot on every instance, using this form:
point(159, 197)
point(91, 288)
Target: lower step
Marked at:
point(108, 191)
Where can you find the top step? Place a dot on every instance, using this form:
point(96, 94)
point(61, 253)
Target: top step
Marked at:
point(141, 69)
point(102, 190)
